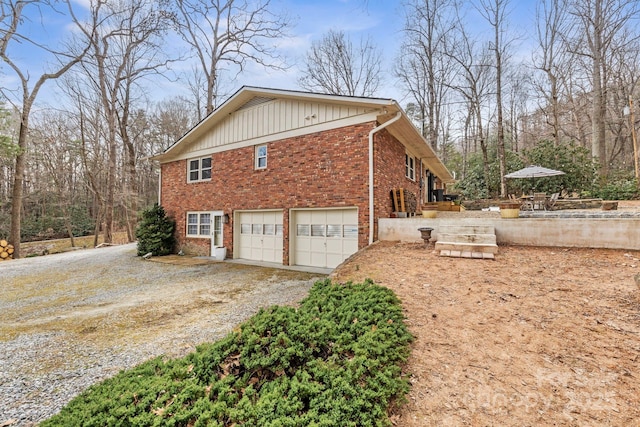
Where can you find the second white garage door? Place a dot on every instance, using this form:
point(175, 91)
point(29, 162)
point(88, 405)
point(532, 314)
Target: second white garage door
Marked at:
point(324, 237)
point(260, 236)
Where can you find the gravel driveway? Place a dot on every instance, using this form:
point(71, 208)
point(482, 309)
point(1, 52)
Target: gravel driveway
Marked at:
point(70, 320)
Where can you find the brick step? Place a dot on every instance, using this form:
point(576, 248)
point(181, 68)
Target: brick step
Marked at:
point(467, 238)
point(467, 254)
point(466, 247)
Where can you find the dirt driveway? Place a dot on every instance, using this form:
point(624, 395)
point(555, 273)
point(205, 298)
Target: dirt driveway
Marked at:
point(538, 337)
point(70, 320)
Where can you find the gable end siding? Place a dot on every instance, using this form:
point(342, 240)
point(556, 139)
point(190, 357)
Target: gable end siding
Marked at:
point(270, 118)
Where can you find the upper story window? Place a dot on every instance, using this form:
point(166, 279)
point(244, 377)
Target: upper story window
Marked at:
point(199, 169)
point(410, 166)
point(261, 156)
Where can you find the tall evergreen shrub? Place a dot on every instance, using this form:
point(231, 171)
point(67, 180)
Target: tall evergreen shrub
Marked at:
point(155, 232)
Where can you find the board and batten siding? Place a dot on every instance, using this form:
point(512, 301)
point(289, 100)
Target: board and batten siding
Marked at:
point(272, 117)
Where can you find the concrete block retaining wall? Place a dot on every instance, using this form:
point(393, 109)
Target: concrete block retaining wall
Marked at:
point(613, 233)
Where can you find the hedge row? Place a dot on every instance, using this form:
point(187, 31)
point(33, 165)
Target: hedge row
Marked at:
point(334, 361)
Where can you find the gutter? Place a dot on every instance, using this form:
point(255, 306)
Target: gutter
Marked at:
point(371, 133)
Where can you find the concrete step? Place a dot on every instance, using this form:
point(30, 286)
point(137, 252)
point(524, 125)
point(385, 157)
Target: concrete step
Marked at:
point(466, 229)
point(466, 241)
point(467, 238)
point(466, 247)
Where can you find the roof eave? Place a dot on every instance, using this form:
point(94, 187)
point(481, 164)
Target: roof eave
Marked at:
point(405, 131)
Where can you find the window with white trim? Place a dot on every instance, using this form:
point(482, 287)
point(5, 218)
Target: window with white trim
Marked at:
point(199, 169)
point(199, 224)
point(205, 225)
point(410, 166)
point(261, 156)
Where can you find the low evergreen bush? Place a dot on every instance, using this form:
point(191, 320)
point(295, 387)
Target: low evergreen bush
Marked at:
point(335, 361)
point(618, 189)
point(155, 232)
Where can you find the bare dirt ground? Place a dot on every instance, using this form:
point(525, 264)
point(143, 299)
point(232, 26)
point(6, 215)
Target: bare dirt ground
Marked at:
point(536, 337)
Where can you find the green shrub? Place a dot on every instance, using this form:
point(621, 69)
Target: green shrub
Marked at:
point(155, 232)
point(333, 361)
point(575, 161)
point(619, 189)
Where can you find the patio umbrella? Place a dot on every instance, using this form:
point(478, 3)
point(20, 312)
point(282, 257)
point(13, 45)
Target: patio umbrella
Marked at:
point(534, 172)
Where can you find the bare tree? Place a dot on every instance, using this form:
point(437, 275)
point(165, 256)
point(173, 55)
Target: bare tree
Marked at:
point(57, 159)
point(230, 33)
point(424, 68)
point(625, 78)
point(473, 85)
point(169, 120)
point(333, 65)
point(518, 98)
point(551, 57)
point(600, 30)
point(125, 39)
point(495, 12)
point(93, 154)
point(11, 13)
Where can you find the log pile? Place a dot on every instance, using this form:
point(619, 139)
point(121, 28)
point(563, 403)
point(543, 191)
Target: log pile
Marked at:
point(404, 201)
point(6, 250)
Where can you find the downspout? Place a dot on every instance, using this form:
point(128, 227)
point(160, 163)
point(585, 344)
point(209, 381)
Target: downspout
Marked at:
point(160, 186)
point(373, 131)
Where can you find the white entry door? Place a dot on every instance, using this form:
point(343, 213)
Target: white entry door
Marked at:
point(324, 237)
point(216, 232)
point(260, 236)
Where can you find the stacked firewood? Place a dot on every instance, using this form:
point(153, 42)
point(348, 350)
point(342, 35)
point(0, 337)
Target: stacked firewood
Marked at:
point(6, 250)
point(404, 200)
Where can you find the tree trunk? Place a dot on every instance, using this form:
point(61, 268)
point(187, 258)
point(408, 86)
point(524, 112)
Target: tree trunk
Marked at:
point(598, 142)
point(67, 223)
point(18, 182)
point(483, 148)
point(110, 199)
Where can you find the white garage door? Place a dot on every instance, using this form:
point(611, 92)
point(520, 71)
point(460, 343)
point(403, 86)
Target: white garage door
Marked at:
point(260, 236)
point(324, 238)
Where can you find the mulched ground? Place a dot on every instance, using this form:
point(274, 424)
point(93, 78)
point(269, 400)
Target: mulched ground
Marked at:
point(536, 337)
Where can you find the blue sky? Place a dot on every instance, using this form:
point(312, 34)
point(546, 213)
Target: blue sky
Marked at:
point(382, 20)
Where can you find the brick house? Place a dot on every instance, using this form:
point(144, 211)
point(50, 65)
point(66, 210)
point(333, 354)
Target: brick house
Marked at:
point(293, 177)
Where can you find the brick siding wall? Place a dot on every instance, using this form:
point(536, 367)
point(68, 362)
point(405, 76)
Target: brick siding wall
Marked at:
point(323, 169)
point(389, 164)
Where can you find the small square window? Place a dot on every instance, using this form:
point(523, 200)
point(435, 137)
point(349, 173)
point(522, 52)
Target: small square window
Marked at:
point(261, 157)
point(199, 169)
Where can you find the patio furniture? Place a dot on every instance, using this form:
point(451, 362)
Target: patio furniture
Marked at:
point(539, 201)
point(526, 202)
point(552, 201)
